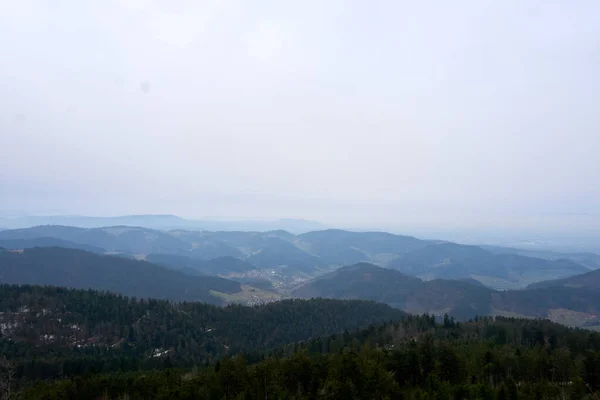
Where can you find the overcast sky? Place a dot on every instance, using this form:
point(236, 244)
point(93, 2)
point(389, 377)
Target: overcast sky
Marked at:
point(366, 113)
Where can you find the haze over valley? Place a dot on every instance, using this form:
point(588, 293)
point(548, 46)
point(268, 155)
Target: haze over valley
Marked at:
point(309, 200)
point(258, 267)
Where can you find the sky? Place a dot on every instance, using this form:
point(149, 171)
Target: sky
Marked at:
point(470, 114)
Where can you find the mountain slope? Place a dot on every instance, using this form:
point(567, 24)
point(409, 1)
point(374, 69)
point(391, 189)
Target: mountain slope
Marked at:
point(587, 280)
point(184, 264)
point(265, 250)
point(369, 282)
point(123, 239)
point(307, 255)
point(80, 269)
point(363, 280)
point(281, 253)
point(587, 259)
point(412, 358)
point(458, 298)
point(455, 261)
point(542, 302)
point(91, 237)
point(225, 265)
point(16, 244)
point(344, 247)
point(98, 328)
point(142, 240)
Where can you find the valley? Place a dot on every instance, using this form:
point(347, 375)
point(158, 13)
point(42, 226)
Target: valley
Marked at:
point(253, 268)
point(100, 305)
point(287, 259)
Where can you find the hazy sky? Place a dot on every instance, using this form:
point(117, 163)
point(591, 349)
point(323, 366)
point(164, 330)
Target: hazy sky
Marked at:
point(380, 113)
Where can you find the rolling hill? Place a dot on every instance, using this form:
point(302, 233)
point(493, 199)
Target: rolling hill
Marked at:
point(123, 239)
point(310, 254)
point(343, 247)
point(91, 237)
point(587, 280)
point(587, 259)
point(458, 298)
point(225, 265)
point(17, 244)
point(37, 324)
point(369, 282)
point(501, 271)
point(80, 269)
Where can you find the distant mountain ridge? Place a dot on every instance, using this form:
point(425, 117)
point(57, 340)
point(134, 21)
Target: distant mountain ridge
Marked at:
point(188, 279)
point(590, 280)
point(458, 298)
point(47, 242)
point(161, 222)
point(455, 261)
point(587, 259)
point(310, 254)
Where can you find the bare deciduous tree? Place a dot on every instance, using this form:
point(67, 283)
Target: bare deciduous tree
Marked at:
point(7, 380)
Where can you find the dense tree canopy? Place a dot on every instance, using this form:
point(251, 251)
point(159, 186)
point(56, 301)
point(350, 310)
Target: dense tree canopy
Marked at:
point(55, 332)
point(414, 358)
point(79, 344)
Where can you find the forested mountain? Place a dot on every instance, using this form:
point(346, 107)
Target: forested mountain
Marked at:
point(17, 244)
point(569, 306)
point(225, 265)
point(265, 250)
point(461, 299)
point(124, 239)
point(588, 280)
point(589, 260)
point(53, 332)
point(296, 257)
point(80, 269)
point(454, 261)
point(410, 358)
point(369, 282)
point(283, 253)
point(92, 237)
point(344, 247)
point(359, 280)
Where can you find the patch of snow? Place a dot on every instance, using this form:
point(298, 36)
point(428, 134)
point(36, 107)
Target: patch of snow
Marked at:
point(159, 352)
point(8, 326)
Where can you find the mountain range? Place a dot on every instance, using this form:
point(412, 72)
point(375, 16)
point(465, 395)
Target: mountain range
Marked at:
point(501, 271)
point(573, 301)
point(161, 222)
point(587, 259)
point(173, 276)
point(461, 299)
point(286, 258)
